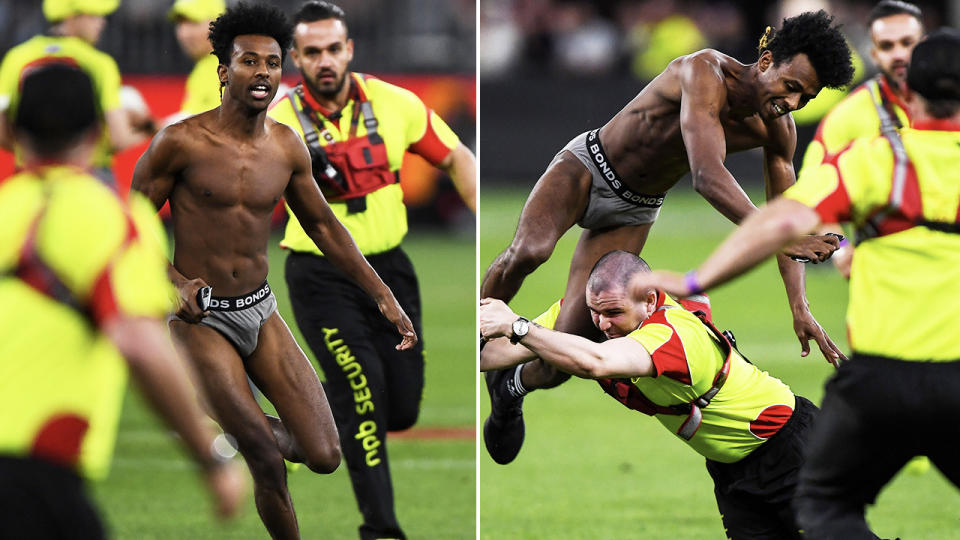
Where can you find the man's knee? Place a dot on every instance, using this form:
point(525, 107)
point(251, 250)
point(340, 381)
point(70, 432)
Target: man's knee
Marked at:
point(324, 458)
point(403, 416)
point(527, 254)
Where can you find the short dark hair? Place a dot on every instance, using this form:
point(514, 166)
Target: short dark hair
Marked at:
point(815, 35)
point(614, 270)
point(57, 108)
point(318, 10)
point(934, 72)
point(886, 8)
point(246, 19)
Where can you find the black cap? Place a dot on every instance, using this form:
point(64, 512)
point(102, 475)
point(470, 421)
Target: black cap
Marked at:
point(57, 105)
point(935, 66)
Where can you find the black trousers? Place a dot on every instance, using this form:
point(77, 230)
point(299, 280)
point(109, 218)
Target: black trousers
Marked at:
point(372, 387)
point(877, 414)
point(755, 495)
point(44, 501)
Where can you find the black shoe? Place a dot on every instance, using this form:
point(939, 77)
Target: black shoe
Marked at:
point(503, 430)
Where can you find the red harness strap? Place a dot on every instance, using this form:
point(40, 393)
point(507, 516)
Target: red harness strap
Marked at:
point(624, 391)
point(32, 270)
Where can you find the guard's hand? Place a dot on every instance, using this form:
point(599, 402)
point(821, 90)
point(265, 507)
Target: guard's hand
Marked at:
point(188, 309)
point(671, 283)
point(228, 487)
point(808, 328)
point(814, 249)
point(394, 313)
point(495, 319)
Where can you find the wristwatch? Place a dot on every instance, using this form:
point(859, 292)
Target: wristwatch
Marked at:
point(520, 328)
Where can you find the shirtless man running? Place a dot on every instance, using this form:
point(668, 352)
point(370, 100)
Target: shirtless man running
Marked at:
point(612, 181)
point(223, 172)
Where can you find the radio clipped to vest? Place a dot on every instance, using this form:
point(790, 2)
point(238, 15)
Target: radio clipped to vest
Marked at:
point(347, 170)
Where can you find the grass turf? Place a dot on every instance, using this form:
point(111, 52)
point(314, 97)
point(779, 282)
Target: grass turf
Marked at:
point(154, 492)
point(592, 469)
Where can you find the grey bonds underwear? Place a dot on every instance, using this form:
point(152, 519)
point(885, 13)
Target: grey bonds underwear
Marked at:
point(611, 203)
point(239, 318)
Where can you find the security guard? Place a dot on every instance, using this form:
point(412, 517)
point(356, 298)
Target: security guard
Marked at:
point(357, 129)
point(76, 28)
point(898, 396)
point(666, 359)
point(881, 103)
point(192, 19)
point(83, 284)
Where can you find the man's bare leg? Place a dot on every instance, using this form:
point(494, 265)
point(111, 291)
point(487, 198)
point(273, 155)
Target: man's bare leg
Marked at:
point(221, 375)
point(307, 431)
point(557, 201)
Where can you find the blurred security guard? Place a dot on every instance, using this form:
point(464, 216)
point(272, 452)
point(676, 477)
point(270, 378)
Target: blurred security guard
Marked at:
point(357, 129)
point(899, 394)
point(881, 103)
point(192, 19)
point(83, 287)
point(76, 28)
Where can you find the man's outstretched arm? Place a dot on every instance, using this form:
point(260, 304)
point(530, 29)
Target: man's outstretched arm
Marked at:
point(703, 95)
point(621, 357)
point(778, 176)
point(157, 370)
point(334, 240)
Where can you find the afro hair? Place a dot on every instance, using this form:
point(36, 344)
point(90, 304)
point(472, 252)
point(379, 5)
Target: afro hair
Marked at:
point(246, 19)
point(813, 34)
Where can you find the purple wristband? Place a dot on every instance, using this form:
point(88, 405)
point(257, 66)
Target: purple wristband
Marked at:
point(690, 280)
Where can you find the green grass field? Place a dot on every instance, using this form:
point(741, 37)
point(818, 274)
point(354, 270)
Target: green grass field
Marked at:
point(154, 493)
point(592, 469)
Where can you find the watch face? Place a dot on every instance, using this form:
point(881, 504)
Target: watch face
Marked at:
point(520, 328)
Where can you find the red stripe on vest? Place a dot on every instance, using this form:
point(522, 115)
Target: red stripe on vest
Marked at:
point(770, 420)
point(835, 207)
point(911, 207)
point(670, 359)
point(430, 147)
point(60, 438)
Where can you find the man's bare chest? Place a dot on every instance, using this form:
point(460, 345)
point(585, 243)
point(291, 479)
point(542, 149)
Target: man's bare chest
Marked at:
point(219, 176)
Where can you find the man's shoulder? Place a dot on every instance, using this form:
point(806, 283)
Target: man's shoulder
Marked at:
point(378, 91)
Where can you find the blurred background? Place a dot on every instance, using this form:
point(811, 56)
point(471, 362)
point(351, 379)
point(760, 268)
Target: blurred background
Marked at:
point(562, 67)
point(428, 47)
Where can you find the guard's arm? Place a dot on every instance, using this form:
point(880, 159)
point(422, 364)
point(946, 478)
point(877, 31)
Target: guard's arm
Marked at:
point(155, 367)
point(621, 357)
point(461, 165)
point(499, 353)
point(334, 240)
point(703, 94)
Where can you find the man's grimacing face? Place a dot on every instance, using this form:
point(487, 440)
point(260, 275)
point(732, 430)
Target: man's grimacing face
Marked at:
point(787, 86)
point(616, 313)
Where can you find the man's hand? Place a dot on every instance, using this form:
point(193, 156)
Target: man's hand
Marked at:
point(188, 309)
point(228, 486)
point(394, 313)
point(808, 328)
point(495, 319)
point(671, 283)
point(815, 249)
